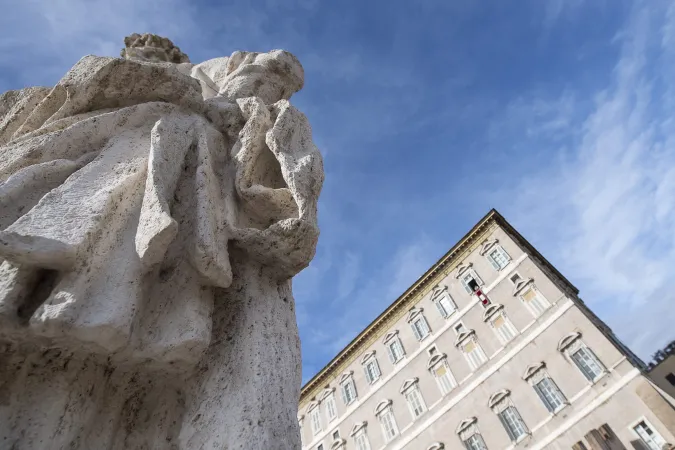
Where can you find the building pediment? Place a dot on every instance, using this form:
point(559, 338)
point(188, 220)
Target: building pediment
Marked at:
point(498, 397)
point(464, 424)
point(414, 312)
point(389, 336)
point(345, 376)
point(357, 427)
point(532, 369)
point(326, 392)
point(463, 336)
point(491, 310)
point(407, 384)
point(435, 360)
point(367, 356)
point(384, 404)
point(568, 340)
point(488, 245)
point(462, 268)
point(521, 285)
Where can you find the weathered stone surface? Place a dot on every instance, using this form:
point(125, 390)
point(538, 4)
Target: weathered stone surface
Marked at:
point(152, 215)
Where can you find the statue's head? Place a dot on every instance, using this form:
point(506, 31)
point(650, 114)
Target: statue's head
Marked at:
point(153, 48)
point(270, 76)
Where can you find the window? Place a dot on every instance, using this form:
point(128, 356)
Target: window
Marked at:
point(503, 327)
point(671, 378)
point(385, 415)
point(315, 418)
point(348, 388)
point(331, 407)
point(414, 398)
point(550, 395)
point(470, 436)
point(433, 350)
point(471, 281)
point(475, 442)
point(446, 306)
point(651, 439)
point(588, 364)
point(336, 435)
point(394, 347)
point(584, 358)
point(420, 327)
point(515, 278)
point(438, 366)
point(319, 447)
point(548, 392)
point(459, 328)
point(534, 301)
point(371, 368)
point(474, 354)
point(498, 257)
point(361, 440)
point(501, 404)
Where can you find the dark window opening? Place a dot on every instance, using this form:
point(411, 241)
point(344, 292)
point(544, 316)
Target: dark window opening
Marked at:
point(671, 378)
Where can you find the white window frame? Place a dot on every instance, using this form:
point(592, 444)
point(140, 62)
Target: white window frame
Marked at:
point(384, 411)
point(441, 360)
point(371, 367)
point(499, 403)
point(660, 441)
point(413, 397)
point(467, 429)
point(328, 398)
point(347, 379)
point(476, 358)
point(416, 316)
point(522, 288)
point(315, 419)
point(536, 374)
point(570, 345)
point(445, 305)
point(500, 250)
point(506, 328)
point(470, 273)
point(361, 441)
point(392, 339)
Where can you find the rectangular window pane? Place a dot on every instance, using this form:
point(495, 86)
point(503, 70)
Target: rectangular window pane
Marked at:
point(475, 442)
point(499, 258)
point(535, 302)
point(550, 394)
point(415, 400)
point(651, 439)
point(331, 410)
point(388, 425)
point(316, 421)
point(513, 424)
point(362, 441)
point(587, 363)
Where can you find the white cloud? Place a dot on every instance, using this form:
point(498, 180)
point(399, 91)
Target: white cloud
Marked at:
point(604, 211)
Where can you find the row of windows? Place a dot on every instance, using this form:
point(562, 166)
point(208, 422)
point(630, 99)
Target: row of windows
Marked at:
point(536, 375)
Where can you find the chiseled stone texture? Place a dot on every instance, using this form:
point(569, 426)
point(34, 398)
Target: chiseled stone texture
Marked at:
point(152, 215)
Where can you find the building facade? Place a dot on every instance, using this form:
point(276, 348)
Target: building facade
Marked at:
point(662, 369)
point(490, 349)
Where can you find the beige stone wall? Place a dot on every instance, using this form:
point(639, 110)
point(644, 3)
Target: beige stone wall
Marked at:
point(659, 373)
point(537, 341)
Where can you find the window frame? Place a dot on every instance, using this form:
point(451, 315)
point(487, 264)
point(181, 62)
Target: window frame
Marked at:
point(500, 402)
point(463, 339)
point(328, 398)
point(503, 253)
point(410, 389)
point(390, 340)
point(522, 288)
point(438, 296)
point(536, 374)
point(345, 380)
point(642, 419)
point(507, 324)
point(441, 360)
point(315, 419)
point(572, 344)
point(467, 429)
point(416, 315)
point(361, 433)
point(385, 409)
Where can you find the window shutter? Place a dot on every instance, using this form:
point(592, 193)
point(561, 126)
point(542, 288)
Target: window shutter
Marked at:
point(392, 357)
point(493, 262)
point(365, 369)
point(542, 397)
point(418, 336)
point(477, 278)
point(344, 393)
point(466, 286)
point(425, 325)
point(441, 309)
point(356, 394)
point(507, 427)
point(377, 368)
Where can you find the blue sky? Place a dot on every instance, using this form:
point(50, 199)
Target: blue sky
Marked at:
point(558, 113)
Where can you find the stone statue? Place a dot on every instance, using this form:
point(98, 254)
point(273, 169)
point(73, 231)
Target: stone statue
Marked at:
point(153, 213)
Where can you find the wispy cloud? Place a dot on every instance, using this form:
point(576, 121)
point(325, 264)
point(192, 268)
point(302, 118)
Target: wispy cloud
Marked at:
point(603, 207)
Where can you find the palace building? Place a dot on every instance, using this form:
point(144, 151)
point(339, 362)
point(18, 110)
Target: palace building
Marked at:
point(492, 348)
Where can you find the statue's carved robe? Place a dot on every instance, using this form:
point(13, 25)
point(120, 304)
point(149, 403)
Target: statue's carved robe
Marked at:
point(129, 204)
